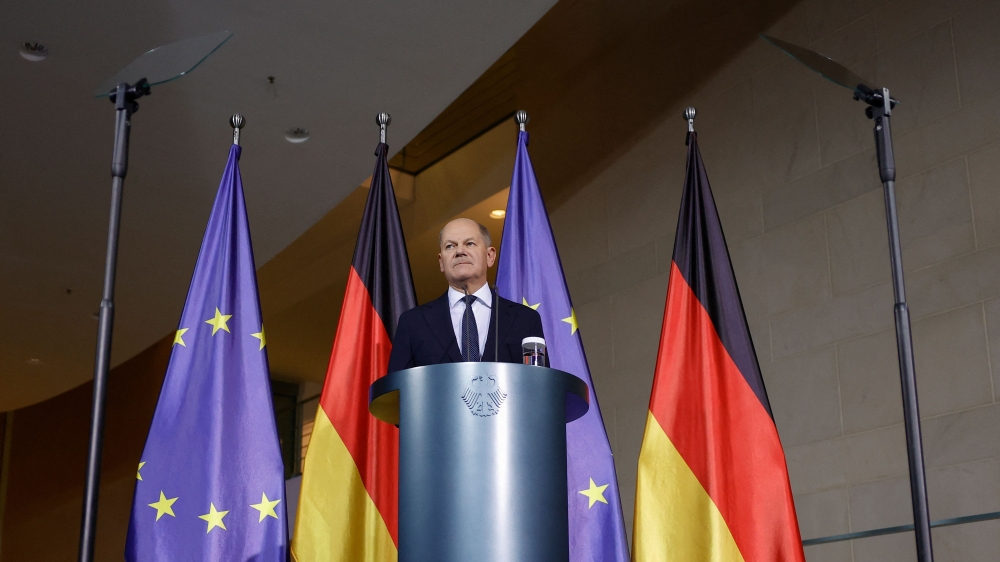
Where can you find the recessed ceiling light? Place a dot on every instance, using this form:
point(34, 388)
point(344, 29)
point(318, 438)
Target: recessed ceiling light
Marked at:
point(296, 135)
point(34, 361)
point(34, 52)
point(498, 214)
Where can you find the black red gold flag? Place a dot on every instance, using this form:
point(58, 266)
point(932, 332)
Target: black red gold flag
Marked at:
point(348, 502)
point(712, 482)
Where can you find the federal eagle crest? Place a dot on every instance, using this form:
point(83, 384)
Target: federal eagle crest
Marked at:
point(484, 396)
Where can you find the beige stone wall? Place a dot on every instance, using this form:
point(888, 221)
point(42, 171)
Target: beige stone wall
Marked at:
point(792, 165)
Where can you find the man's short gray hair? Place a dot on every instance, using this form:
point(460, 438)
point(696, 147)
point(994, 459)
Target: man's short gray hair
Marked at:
point(483, 232)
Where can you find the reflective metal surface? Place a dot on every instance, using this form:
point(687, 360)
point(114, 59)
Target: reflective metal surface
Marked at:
point(489, 488)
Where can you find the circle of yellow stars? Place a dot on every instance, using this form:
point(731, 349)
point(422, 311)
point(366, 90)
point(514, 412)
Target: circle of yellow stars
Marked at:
point(218, 322)
point(594, 493)
point(571, 319)
point(215, 518)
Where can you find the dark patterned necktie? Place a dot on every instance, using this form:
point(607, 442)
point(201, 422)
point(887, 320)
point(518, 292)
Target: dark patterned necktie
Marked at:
point(470, 332)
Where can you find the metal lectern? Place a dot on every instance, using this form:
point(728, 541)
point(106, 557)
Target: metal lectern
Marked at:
point(482, 459)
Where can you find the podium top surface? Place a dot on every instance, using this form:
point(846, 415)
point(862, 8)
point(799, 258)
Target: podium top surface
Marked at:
point(384, 393)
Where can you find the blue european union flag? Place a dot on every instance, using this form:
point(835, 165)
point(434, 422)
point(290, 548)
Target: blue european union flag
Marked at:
point(210, 483)
point(530, 273)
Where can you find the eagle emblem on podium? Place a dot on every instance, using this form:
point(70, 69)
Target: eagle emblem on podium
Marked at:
point(484, 396)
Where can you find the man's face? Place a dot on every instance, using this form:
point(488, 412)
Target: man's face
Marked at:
point(464, 256)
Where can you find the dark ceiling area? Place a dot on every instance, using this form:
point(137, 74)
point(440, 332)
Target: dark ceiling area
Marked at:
point(335, 65)
point(595, 76)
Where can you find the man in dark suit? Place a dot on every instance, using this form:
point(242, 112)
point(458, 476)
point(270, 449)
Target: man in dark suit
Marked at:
point(461, 325)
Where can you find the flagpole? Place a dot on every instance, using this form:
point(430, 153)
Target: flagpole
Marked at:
point(237, 122)
point(383, 119)
point(124, 98)
point(689, 114)
point(521, 117)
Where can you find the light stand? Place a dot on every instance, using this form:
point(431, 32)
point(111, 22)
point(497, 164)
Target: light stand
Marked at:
point(879, 109)
point(159, 65)
point(125, 105)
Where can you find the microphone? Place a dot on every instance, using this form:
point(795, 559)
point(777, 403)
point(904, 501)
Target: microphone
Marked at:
point(496, 333)
point(468, 308)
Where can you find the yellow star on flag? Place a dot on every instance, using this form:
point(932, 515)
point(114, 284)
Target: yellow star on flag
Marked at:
point(595, 493)
point(260, 335)
point(179, 337)
point(163, 506)
point(214, 518)
point(265, 507)
point(219, 321)
point(524, 301)
point(137, 475)
point(571, 321)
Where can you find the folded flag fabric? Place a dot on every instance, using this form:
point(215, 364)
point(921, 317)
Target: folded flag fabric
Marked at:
point(712, 483)
point(530, 272)
point(348, 504)
point(210, 483)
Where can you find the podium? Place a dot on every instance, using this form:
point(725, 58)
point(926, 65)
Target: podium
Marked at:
point(482, 459)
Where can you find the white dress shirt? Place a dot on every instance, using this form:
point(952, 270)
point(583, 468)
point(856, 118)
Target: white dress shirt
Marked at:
point(480, 309)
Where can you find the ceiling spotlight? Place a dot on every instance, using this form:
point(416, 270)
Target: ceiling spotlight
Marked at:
point(34, 361)
point(34, 52)
point(296, 135)
point(498, 214)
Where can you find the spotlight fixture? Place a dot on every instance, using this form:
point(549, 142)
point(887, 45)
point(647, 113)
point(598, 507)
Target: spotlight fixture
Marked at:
point(498, 214)
point(34, 52)
point(296, 135)
point(34, 361)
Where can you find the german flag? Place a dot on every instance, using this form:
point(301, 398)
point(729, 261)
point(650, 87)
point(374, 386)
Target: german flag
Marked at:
point(348, 501)
point(712, 483)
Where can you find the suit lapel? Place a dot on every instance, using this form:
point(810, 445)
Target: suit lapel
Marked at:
point(506, 317)
point(439, 321)
point(488, 351)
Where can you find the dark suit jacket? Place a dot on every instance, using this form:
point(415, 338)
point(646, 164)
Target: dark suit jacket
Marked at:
point(425, 335)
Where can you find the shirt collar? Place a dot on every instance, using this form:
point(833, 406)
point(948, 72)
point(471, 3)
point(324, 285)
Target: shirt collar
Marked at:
point(484, 294)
